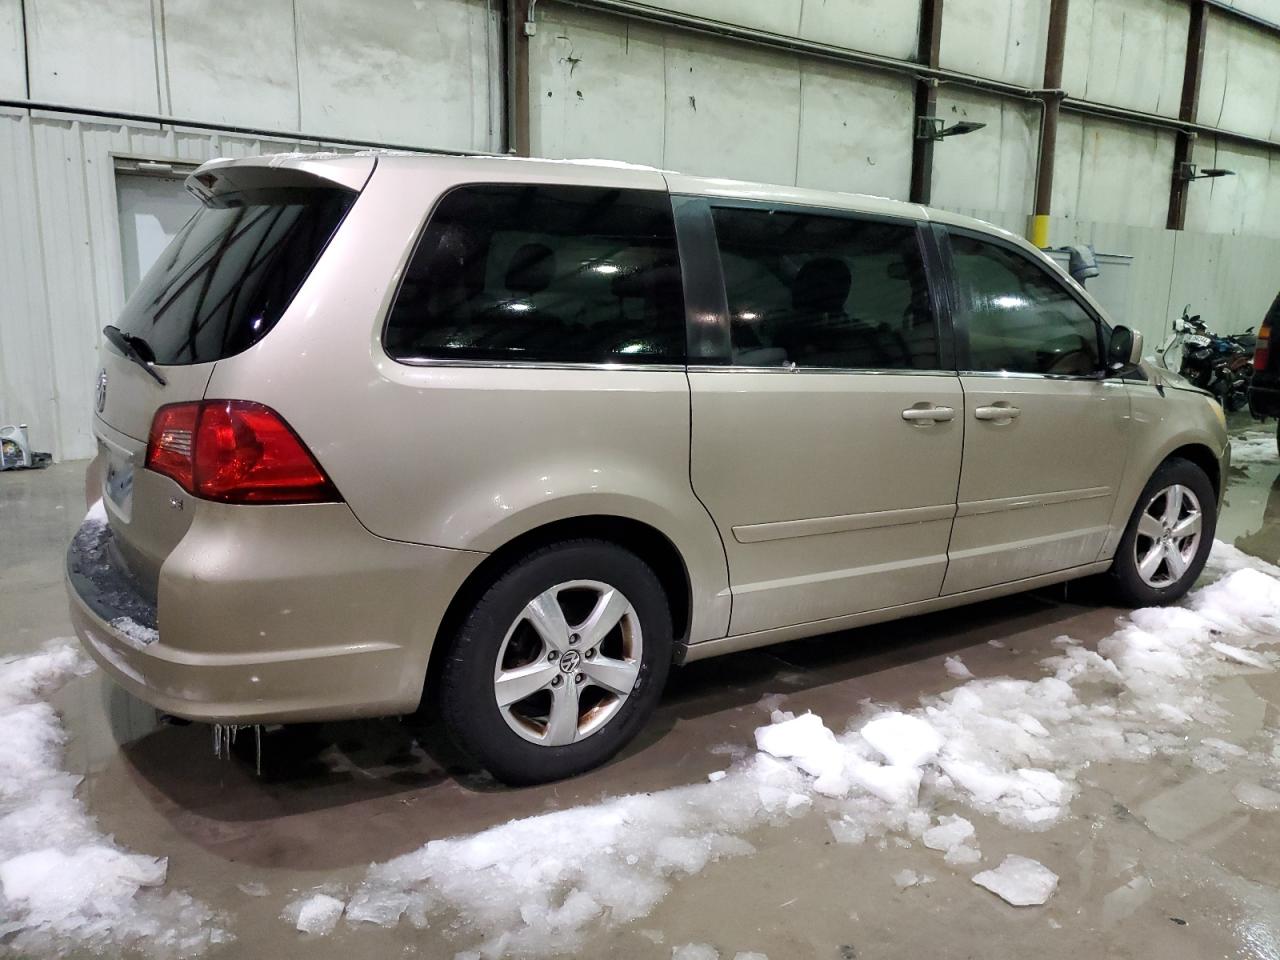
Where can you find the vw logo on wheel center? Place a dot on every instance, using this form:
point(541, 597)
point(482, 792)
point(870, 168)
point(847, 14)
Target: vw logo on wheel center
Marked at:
point(569, 662)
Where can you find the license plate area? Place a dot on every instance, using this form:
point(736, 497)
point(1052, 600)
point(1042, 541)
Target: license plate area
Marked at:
point(117, 479)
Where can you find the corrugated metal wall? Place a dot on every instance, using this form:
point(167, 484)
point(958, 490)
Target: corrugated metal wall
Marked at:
point(419, 73)
point(427, 73)
point(60, 257)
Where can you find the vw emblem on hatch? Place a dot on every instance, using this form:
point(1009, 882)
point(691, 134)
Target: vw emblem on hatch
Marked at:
point(101, 394)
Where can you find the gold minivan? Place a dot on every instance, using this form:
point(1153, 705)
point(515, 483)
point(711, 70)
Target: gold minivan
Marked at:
point(536, 430)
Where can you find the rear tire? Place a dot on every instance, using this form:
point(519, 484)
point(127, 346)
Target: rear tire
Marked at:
point(559, 664)
point(1168, 537)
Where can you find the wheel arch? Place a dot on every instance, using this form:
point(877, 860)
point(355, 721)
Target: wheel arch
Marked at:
point(1203, 457)
point(645, 541)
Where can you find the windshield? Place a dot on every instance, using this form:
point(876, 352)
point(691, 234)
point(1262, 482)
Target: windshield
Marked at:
point(231, 272)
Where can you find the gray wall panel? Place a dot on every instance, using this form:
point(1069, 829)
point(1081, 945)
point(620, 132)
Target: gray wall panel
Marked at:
point(99, 55)
point(853, 131)
point(1130, 53)
point(1114, 172)
point(991, 170)
point(1241, 86)
point(731, 112)
point(399, 71)
point(13, 65)
point(597, 90)
point(1000, 39)
point(222, 73)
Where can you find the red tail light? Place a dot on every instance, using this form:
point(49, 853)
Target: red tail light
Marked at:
point(237, 452)
point(1262, 346)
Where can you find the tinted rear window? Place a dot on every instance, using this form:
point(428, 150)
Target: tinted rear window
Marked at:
point(230, 273)
point(543, 273)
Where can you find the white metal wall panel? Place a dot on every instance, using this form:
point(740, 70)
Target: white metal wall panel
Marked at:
point(1246, 203)
point(603, 87)
point(1000, 39)
point(99, 55)
point(27, 392)
point(1240, 89)
point(1229, 280)
point(1130, 53)
point(13, 64)
point(991, 170)
point(220, 72)
point(886, 27)
point(732, 111)
point(1267, 10)
point(855, 131)
point(597, 88)
point(400, 71)
point(60, 263)
point(1112, 172)
point(772, 16)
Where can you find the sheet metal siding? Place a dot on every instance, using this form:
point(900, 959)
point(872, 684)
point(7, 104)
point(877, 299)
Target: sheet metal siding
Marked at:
point(60, 259)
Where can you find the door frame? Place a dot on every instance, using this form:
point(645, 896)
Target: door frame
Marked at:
point(958, 322)
point(707, 305)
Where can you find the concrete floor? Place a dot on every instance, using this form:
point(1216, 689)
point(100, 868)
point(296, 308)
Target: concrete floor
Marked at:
point(1156, 860)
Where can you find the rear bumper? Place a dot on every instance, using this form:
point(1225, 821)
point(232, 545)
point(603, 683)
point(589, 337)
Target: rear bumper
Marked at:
point(268, 614)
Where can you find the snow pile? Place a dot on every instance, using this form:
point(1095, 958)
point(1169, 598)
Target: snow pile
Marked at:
point(1019, 880)
point(1007, 748)
point(63, 884)
point(1253, 446)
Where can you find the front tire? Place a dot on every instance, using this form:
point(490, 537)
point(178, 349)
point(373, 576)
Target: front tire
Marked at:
point(560, 662)
point(1168, 538)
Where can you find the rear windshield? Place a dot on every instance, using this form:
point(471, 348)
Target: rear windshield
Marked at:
point(230, 273)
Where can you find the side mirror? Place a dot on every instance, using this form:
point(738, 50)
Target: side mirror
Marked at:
point(1124, 351)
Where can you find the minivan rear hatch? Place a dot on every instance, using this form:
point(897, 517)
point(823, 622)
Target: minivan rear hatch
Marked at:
point(217, 290)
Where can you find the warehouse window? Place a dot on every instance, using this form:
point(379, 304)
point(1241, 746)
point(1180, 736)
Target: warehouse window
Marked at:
point(825, 291)
point(524, 272)
point(1020, 318)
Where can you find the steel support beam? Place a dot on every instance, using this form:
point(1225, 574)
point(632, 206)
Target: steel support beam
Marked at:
point(1187, 109)
point(515, 64)
point(1055, 49)
point(926, 100)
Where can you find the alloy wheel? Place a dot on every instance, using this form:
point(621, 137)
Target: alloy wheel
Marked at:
point(1169, 532)
point(568, 663)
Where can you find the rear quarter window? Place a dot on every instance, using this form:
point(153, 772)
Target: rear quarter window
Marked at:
point(542, 273)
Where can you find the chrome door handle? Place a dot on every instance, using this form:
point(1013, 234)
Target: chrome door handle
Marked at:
point(928, 413)
point(996, 412)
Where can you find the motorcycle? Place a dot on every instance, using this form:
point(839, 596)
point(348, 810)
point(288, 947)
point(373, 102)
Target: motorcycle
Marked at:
point(1221, 365)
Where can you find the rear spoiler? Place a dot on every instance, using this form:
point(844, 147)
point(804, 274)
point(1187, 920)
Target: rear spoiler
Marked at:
point(217, 177)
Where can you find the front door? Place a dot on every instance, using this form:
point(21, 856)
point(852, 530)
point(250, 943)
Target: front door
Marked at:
point(827, 447)
point(1044, 434)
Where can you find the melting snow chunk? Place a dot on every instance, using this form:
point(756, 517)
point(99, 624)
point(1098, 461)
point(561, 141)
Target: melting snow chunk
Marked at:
point(906, 878)
point(1257, 796)
point(903, 740)
point(1247, 657)
point(318, 914)
point(695, 951)
point(1021, 881)
point(807, 741)
point(954, 836)
point(955, 668)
